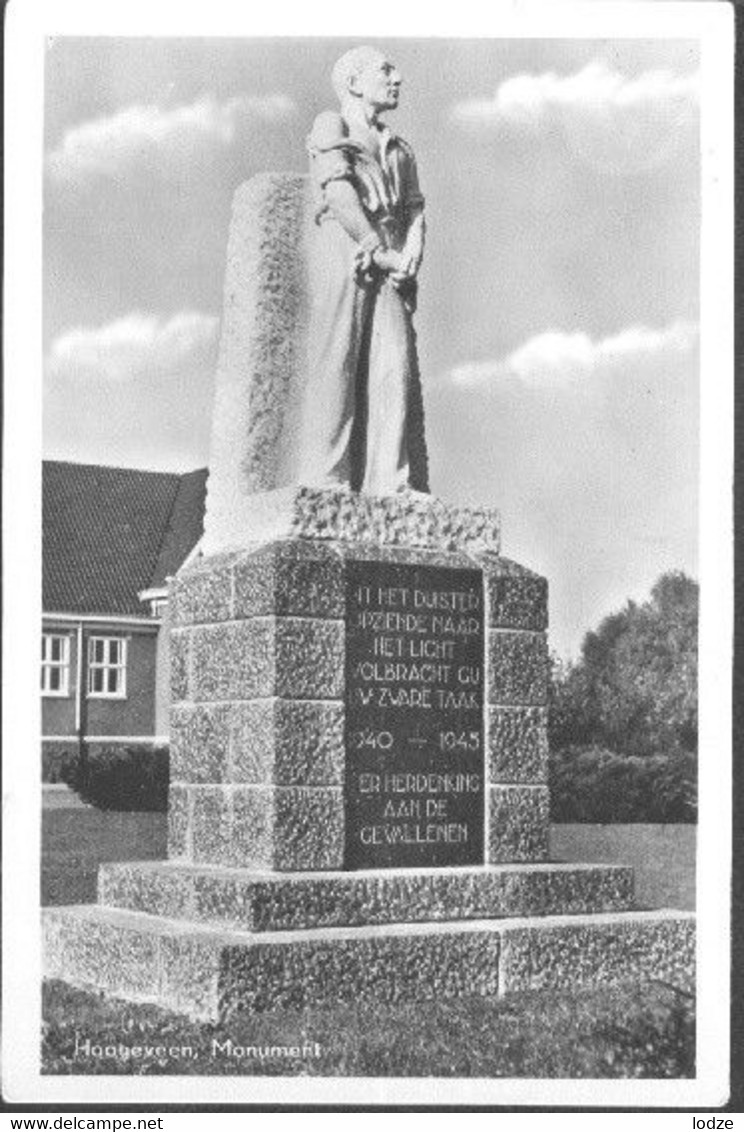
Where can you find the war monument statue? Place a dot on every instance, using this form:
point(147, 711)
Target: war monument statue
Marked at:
point(359, 805)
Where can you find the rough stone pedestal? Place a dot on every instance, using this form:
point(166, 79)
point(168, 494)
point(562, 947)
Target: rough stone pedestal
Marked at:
point(312, 862)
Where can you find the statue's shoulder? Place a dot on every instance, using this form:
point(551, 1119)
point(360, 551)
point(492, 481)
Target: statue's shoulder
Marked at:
point(329, 131)
point(405, 146)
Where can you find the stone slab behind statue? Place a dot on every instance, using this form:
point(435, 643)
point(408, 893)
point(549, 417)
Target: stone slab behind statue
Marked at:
point(262, 364)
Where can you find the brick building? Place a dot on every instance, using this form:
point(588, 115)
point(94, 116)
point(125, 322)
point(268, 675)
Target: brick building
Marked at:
point(111, 539)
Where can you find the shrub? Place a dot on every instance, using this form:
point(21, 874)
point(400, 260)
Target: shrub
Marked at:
point(57, 760)
point(122, 778)
point(592, 784)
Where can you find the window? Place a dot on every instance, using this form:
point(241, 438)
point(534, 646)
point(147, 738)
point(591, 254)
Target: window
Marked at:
point(158, 606)
point(107, 667)
point(55, 664)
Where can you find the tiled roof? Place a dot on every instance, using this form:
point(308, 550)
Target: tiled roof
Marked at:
point(109, 533)
point(185, 525)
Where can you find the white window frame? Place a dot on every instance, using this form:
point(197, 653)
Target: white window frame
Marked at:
point(114, 660)
point(49, 665)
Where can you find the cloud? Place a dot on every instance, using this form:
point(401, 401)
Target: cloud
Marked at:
point(534, 100)
point(109, 146)
point(613, 122)
point(558, 358)
point(131, 347)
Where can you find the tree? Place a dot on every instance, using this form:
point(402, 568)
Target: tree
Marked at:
point(634, 688)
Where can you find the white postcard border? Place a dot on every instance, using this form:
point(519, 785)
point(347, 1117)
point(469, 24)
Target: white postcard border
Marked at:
point(28, 24)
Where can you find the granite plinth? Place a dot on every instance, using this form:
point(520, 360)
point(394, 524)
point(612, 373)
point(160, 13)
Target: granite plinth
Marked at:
point(260, 827)
point(211, 974)
point(292, 657)
point(518, 745)
point(282, 698)
point(290, 578)
point(517, 597)
point(518, 829)
point(517, 668)
point(305, 827)
point(270, 741)
point(260, 902)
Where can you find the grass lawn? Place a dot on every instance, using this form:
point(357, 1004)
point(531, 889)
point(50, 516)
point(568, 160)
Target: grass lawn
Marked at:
point(627, 1031)
point(76, 840)
point(662, 856)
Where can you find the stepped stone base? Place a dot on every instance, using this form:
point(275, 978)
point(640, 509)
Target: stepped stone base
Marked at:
point(212, 974)
point(276, 902)
point(211, 942)
point(266, 902)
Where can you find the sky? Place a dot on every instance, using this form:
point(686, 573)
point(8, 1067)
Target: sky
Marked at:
point(559, 305)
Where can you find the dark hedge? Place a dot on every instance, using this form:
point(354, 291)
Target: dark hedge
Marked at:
point(592, 784)
point(122, 778)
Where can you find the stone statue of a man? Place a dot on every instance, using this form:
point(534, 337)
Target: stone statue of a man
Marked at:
point(363, 417)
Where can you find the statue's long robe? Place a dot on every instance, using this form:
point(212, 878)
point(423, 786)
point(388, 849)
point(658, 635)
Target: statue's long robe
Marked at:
point(363, 416)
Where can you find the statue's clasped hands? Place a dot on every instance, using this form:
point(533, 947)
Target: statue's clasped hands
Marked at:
point(400, 267)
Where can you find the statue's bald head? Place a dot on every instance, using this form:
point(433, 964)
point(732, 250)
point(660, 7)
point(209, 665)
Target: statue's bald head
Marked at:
point(350, 65)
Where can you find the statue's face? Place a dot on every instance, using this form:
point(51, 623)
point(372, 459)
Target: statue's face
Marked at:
point(378, 82)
